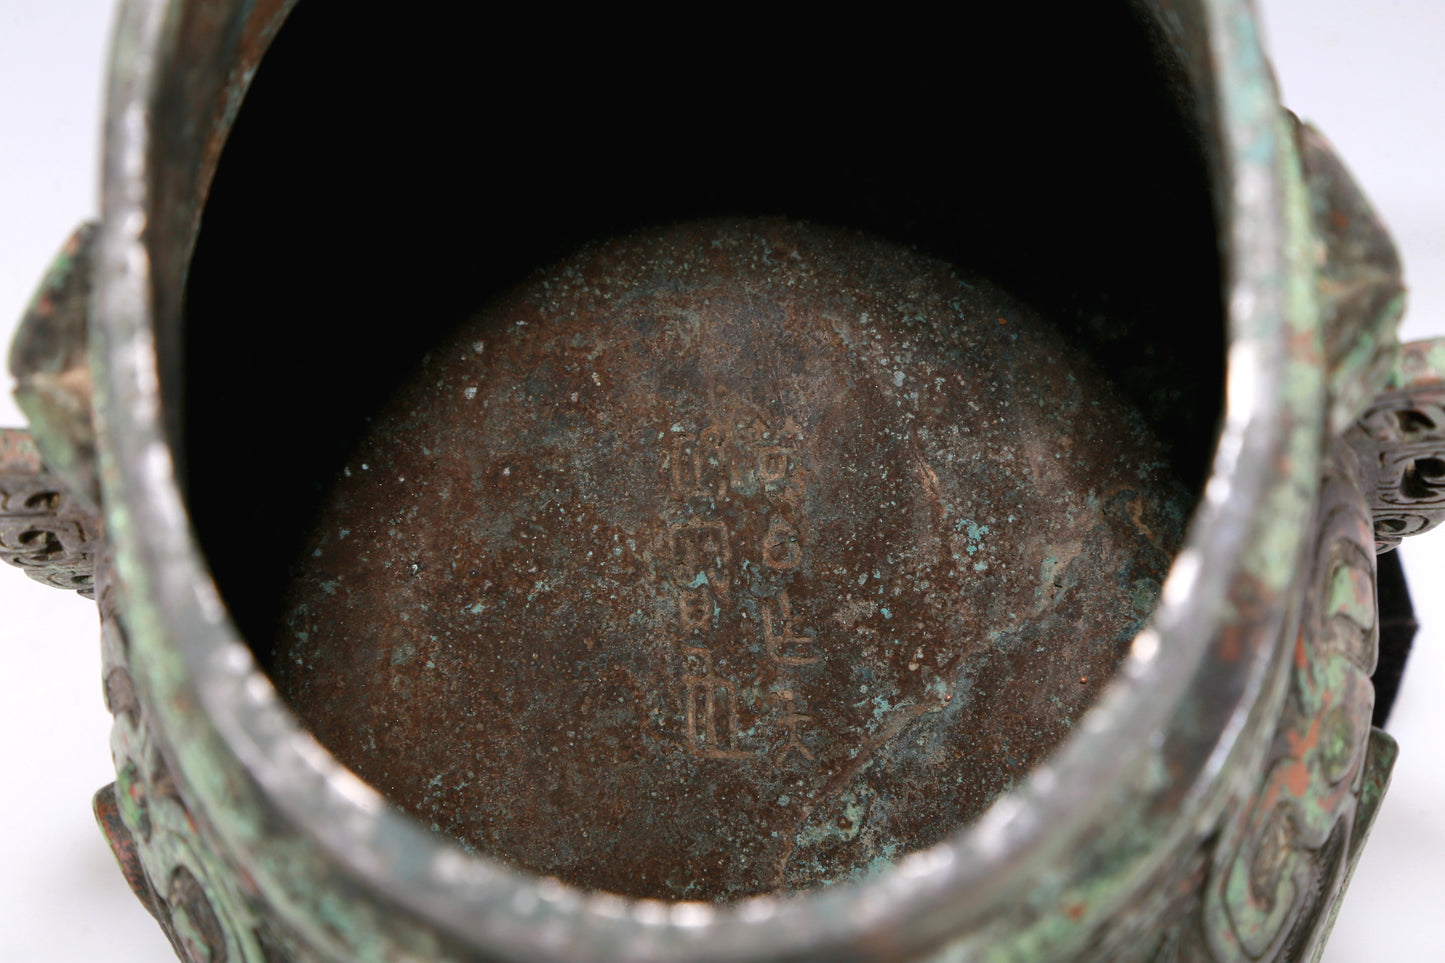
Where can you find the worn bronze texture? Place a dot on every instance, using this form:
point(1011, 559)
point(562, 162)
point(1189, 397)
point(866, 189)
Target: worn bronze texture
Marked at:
point(743, 556)
point(1399, 440)
point(52, 373)
point(44, 529)
point(729, 558)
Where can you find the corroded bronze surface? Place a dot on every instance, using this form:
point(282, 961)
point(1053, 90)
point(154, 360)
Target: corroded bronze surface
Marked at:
point(44, 529)
point(728, 558)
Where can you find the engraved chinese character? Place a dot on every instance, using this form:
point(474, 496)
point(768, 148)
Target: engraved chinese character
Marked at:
point(785, 643)
point(712, 712)
point(701, 548)
point(794, 723)
point(695, 609)
point(699, 545)
point(775, 463)
point(781, 549)
point(700, 464)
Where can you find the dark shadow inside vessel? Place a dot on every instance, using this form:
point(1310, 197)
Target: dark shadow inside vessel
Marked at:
point(385, 178)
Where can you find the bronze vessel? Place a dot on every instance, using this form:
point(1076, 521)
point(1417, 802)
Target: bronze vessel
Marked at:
point(816, 533)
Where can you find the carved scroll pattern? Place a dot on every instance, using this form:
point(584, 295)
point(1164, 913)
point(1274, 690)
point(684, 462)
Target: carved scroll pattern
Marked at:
point(1259, 881)
point(42, 529)
point(1270, 896)
point(1279, 863)
point(166, 855)
point(1401, 438)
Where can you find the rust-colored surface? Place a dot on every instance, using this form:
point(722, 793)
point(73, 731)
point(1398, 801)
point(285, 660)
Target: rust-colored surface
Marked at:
point(729, 558)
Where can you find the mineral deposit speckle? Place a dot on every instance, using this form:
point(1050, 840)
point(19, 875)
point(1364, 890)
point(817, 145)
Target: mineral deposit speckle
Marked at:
point(728, 558)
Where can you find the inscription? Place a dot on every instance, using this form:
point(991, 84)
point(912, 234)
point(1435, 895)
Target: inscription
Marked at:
point(741, 468)
point(699, 464)
point(780, 548)
point(701, 551)
point(695, 609)
point(712, 711)
point(784, 643)
point(794, 724)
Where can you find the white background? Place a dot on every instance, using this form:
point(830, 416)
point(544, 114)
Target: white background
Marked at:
point(1368, 72)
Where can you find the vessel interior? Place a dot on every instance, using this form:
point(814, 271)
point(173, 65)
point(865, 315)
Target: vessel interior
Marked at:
point(386, 244)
